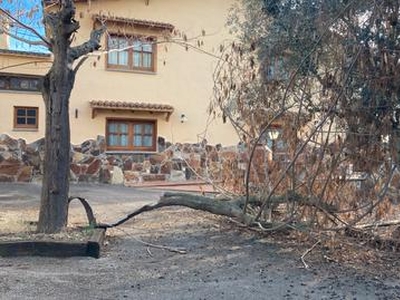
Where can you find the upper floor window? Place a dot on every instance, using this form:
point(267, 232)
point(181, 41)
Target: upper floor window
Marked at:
point(20, 82)
point(131, 53)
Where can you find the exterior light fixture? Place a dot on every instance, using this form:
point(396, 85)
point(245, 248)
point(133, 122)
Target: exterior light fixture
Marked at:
point(183, 118)
point(273, 134)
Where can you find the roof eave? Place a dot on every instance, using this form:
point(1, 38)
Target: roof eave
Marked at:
point(135, 22)
point(131, 106)
point(25, 54)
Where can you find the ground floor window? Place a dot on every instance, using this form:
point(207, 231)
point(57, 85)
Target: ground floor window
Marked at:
point(135, 135)
point(26, 117)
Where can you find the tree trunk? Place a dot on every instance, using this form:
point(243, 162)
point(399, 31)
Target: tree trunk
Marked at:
point(57, 88)
point(56, 91)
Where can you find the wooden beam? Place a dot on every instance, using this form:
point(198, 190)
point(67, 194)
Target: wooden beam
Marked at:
point(43, 248)
point(95, 242)
point(93, 112)
point(91, 248)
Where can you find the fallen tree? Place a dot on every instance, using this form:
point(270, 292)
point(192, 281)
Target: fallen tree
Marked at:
point(232, 208)
point(225, 207)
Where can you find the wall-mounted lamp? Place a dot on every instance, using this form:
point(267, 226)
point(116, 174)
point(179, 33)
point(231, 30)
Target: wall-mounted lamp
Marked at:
point(183, 118)
point(273, 134)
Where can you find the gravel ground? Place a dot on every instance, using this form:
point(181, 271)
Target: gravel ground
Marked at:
point(222, 261)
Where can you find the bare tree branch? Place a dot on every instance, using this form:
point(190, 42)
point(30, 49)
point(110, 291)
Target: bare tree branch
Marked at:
point(80, 63)
point(29, 28)
point(19, 38)
point(91, 45)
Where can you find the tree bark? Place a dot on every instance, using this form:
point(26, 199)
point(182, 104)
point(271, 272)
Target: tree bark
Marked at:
point(56, 91)
point(54, 199)
point(224, 207)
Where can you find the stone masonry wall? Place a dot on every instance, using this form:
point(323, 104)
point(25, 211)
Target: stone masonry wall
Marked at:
point(22, 162)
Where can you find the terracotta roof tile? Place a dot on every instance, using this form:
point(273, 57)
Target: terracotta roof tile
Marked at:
point(140, 106)
point(137, 22)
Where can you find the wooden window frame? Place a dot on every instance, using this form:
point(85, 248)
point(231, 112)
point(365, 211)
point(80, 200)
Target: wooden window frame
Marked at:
point(8, 86)
point(131, 123)
point(26, 125)
point(130, 66)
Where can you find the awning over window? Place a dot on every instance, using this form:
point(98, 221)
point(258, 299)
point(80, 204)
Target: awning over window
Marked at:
point(98, 105)
point(135, 22)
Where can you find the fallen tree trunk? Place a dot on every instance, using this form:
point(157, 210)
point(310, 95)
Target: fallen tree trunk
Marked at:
point(229, 208)
point(232, 208)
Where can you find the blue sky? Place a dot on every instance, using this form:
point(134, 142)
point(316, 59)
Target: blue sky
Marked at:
point(30, 13)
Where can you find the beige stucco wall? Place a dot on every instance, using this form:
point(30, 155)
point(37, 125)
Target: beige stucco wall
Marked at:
point(11, 63)
point(183, 78)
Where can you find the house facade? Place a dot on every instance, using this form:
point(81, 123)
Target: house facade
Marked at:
point(151, 82)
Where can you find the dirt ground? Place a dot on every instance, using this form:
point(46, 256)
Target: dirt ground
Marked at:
point(222, 261)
